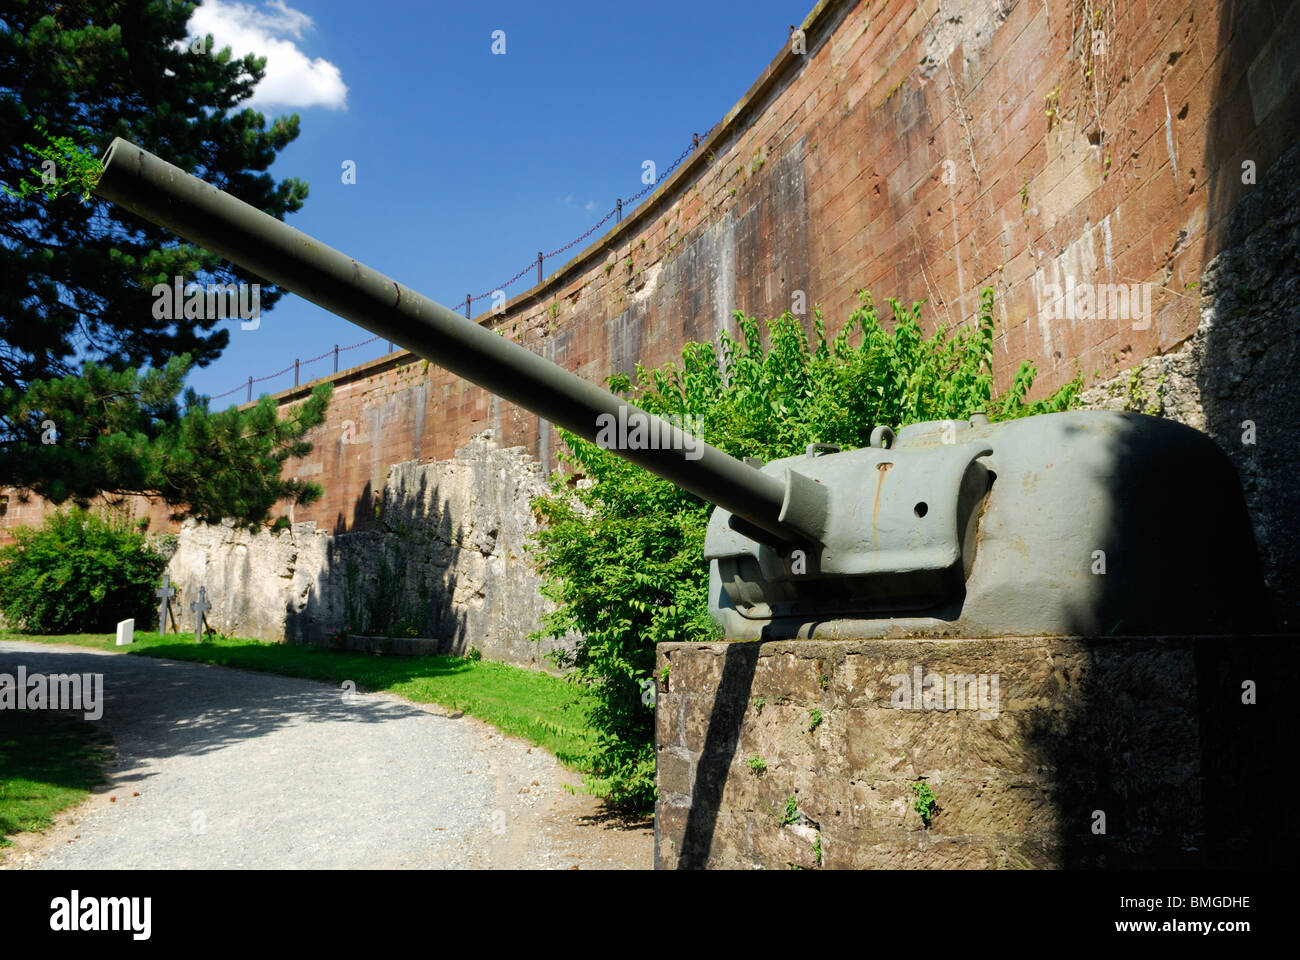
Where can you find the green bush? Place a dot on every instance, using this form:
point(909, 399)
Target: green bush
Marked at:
point(79, 572)
point(623, 557)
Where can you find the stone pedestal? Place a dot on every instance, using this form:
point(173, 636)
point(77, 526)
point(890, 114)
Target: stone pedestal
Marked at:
point(1121, 752)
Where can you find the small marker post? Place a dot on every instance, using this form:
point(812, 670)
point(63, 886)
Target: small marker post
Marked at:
point(164, 593)
point(200, 607)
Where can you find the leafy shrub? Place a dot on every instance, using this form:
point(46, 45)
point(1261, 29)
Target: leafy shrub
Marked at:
point(79, 572)
point(791, 811)
point(926, 803)
point(623, 556)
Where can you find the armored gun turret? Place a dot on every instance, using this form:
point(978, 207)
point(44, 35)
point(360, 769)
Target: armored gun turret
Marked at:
point(1084, 522)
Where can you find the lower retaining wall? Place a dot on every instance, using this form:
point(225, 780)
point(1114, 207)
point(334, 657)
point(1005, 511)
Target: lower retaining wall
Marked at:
point(436, 550)
point(1111, 753)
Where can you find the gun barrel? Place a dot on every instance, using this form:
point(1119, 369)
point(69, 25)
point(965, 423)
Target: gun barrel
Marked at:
point(167, 196)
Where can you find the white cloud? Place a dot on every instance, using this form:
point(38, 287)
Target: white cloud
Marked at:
point(570, 201)
point(291, 79)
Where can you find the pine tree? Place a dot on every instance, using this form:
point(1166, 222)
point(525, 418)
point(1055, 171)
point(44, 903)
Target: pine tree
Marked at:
point(84, 361)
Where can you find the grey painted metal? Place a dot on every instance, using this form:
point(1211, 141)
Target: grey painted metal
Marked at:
point(169, 197)
point(1092, 523)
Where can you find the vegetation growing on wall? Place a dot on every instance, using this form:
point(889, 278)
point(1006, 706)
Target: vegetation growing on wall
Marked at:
point(623, 557)
point(926, 803)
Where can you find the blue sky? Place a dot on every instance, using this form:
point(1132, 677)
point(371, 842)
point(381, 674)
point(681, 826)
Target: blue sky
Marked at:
point(468, 163)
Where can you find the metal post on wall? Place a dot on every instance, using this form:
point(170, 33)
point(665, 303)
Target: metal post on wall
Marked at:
point(467, 306)
point(619, 218)
point(336, 358)
point(250, 388)
point(295, 371)
point(539, 266)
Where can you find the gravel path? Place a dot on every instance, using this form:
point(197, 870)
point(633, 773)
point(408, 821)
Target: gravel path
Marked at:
point(236, 769)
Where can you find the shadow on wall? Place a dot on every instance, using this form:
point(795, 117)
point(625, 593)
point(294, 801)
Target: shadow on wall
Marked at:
point(1250, 291)
point(391, 573)
point(1146, 748)
point(1138, 720)
point(718, 754)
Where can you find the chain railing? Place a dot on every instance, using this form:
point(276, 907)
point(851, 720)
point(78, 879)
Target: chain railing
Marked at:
point(620, 208)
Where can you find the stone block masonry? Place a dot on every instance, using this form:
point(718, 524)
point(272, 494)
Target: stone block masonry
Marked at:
point(1125, 752)
point(926, 150)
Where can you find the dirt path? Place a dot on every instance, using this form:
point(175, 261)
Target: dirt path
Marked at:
point(221, 768)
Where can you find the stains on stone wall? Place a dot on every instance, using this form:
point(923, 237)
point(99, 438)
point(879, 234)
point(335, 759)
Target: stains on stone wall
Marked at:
point(918, 151)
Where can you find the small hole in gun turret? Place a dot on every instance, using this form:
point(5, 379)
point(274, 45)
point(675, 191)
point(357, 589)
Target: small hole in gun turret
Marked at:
point(921, 509)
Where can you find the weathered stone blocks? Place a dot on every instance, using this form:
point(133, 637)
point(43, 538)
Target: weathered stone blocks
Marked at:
point(1095, 752)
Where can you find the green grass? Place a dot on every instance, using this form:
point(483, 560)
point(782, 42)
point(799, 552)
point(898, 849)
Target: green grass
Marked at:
point(537, 707)
point(48, 761)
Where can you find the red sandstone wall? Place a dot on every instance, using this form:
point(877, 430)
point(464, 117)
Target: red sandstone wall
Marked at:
point(31, 512)
point(920, 150)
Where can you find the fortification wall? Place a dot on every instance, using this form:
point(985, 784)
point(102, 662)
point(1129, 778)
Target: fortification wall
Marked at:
point(924, 151)
point(442, 560)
